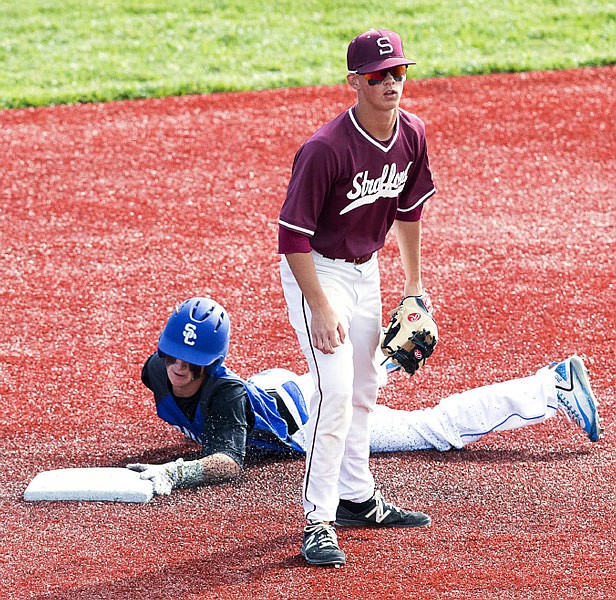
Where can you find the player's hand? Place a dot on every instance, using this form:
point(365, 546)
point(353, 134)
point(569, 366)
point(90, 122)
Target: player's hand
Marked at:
point(425, 298)
point(422, 295)
point(164, 477)
point(327, 331)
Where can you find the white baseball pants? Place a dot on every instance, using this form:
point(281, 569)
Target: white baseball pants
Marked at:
point(454, 422)
point(466, 417)
point(346, 384)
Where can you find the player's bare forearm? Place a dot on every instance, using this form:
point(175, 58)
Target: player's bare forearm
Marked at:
point(408, 236)
point(217, 468)
point(303, 269)
point(327, 331)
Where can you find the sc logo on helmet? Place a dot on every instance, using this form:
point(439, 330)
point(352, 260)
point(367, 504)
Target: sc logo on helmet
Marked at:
point(189, 334)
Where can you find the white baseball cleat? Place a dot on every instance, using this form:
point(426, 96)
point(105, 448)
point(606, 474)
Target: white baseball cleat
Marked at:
point(575, 397)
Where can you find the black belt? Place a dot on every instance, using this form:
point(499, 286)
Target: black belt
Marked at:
point(359, 260)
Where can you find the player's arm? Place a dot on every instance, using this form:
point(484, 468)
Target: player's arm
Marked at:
point(214, 468)
point(408, 236)
point(314, 167)
point(217, 468)
point(225, 433)
point(180, 473)
point(327, 331)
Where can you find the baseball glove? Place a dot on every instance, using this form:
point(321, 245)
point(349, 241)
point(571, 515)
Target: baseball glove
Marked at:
point(411, 335)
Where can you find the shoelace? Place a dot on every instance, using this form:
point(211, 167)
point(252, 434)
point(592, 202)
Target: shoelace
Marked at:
point(324, 534)
point(568, 410)
point(385, 506)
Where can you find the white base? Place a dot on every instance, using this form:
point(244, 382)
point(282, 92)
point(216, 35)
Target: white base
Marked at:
point(112, 484)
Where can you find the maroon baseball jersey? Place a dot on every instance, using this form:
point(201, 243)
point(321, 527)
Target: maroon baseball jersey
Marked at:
point(346, 187)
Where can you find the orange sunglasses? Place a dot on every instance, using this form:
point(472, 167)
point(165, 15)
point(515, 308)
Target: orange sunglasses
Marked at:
point(377, 77)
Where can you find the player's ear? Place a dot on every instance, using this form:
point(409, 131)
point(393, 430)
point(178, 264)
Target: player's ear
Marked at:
point(353, 80)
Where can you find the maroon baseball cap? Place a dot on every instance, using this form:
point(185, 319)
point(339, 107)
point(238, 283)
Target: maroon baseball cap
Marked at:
point(375, 50)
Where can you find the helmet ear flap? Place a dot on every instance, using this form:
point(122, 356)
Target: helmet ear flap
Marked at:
point(212, 368)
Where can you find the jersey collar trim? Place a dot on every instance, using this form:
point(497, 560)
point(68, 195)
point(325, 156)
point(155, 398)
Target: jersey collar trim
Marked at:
point(376, 143)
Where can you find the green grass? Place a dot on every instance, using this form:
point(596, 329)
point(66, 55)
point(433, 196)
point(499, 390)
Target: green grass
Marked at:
point(65, 51)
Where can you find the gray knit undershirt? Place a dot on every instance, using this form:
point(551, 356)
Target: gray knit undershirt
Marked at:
point(191, 473)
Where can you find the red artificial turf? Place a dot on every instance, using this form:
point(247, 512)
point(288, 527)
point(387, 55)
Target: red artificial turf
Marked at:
point(113, 213)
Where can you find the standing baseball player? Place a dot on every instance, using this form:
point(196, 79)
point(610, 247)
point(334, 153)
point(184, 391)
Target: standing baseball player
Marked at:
point(198, 395)
point(360, 174)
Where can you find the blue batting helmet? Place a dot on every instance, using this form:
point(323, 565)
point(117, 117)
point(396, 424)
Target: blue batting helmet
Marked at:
point(197, 332)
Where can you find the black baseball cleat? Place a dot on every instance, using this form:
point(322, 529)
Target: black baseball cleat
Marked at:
point(320, 545)
point(381, 514)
